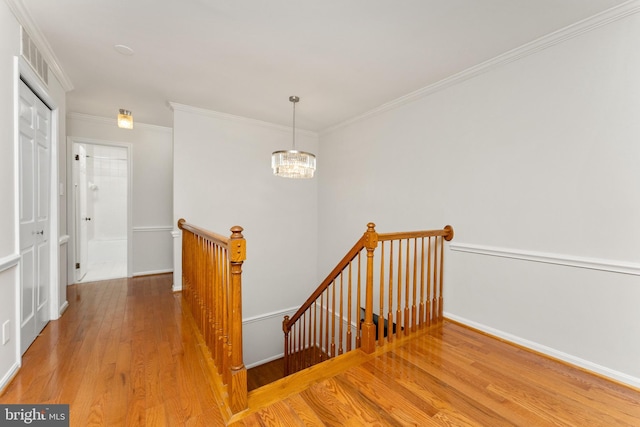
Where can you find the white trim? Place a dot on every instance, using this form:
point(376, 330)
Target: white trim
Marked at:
point(22, 15)
point(63, 240)
point(271, 315)
point(551, 352)
point(71, 141)
point(114, 122)
point(603, 18)
point(612, 266)
point(243, 120)
point(267, 360)
point(153, 229)
point(9, 261)
point(63, 308)
point(4, 382)
point(152, 272)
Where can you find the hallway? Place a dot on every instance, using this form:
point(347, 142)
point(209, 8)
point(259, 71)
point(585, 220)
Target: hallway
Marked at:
point(120, 355)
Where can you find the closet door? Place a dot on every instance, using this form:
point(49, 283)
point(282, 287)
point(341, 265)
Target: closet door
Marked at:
point(35, 183)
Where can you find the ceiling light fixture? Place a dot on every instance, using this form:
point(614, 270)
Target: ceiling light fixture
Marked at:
point(125, 119)
point(293, 163)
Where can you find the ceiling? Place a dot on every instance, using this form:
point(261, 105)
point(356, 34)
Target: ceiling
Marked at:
point(245, 57)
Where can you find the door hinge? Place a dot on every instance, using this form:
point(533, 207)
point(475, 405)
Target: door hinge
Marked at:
point(77, 156)
point(77, 265)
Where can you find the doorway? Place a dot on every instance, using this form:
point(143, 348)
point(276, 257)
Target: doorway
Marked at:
point(101, 178)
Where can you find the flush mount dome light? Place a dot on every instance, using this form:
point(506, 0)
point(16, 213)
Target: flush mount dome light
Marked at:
point(125, 119)
point(293, 163)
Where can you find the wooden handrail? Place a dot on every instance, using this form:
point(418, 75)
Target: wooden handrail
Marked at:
point(344, 262)
point(410, 290)
point(212, 289)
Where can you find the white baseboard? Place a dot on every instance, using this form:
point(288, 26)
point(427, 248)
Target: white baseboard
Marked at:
point(267, 360)
point(551, 352)
point(6, 379)
point(152, 272)
point(63, 308)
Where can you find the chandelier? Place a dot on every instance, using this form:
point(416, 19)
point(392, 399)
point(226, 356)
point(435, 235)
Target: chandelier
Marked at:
point(293, 163)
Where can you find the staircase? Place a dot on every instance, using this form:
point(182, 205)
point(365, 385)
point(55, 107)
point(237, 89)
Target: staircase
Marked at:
point(401, 272)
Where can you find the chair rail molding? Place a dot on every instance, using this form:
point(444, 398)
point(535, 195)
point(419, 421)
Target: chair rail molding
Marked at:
point(612, 266)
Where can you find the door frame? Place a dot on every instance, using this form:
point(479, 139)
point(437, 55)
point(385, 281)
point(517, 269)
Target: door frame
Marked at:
point(23, 71)
point(71, 141)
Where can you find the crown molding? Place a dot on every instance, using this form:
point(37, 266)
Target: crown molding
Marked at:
point(114, 122)
point(606, 17)
point(21, 13)
point(240, 119)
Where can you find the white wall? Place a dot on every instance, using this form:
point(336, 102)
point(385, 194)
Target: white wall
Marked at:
point(152, 160)
point(54, 93)
point(536, 158)
point(222, 178)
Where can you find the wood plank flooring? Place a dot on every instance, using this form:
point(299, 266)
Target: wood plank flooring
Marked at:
point(124, 354)
point(449, 376)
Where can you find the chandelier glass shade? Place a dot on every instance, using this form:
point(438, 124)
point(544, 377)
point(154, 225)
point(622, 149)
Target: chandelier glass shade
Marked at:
point(293, 163)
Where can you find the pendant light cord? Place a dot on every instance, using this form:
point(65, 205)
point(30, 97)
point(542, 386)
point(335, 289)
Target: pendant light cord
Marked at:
point(294, 123)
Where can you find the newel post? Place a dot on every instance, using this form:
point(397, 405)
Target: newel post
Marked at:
point(238, 380)
point(368, 328)
point(285, 329)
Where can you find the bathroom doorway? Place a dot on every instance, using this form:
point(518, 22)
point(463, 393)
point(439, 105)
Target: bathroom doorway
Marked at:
point(101, 188)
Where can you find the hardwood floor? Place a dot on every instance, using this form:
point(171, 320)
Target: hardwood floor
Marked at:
point(265, 374)
point(449, 376)
point(124, 354)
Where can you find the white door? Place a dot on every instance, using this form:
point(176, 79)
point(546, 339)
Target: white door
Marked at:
point(81, 215)
point(35, 181)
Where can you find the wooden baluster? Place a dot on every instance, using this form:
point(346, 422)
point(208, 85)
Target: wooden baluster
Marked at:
point(340, 349)
point(406, 291)
point(399, 288)
point(390, 314)
point(381, 310)
point(429, 293)
point(315, 331)
point(349, 310)
point(436, 296)
point(358, 304)
point(327, 350)
point(218, 348)
point(333, 319)
point(211, 280)
point(414, 308)
point(441, 302)
point(287, 346)
point(421, 313)
point(238, 385)
point(368, 328)
point(224, 315)
point(321, 331)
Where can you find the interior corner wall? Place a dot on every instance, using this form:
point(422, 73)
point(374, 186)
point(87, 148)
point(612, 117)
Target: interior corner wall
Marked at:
point(152, 182)
point(537, 156)
point(222, 178)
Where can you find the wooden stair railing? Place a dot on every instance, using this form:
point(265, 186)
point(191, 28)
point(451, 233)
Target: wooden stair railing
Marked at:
point(340, 315)
point(212, 289)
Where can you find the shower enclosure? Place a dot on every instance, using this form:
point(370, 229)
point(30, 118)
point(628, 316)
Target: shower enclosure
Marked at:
point(100, 185)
